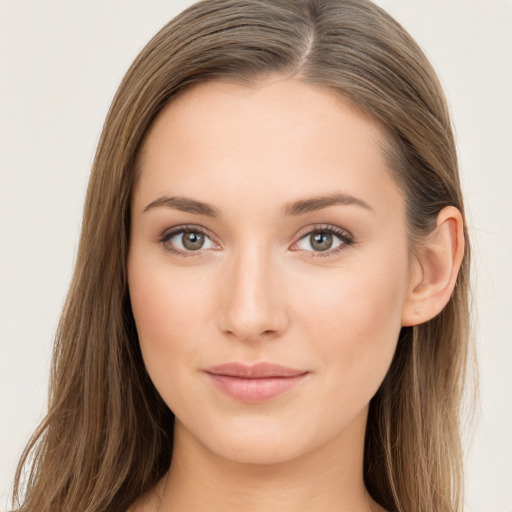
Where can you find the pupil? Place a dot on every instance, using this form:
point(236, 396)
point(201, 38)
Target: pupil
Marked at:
point(192, 240)
point(321, 241)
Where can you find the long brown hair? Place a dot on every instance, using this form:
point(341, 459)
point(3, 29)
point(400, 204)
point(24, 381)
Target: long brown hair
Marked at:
point(107, 437)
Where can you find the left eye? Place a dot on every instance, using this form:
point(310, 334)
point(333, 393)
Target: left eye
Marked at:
point(320, 241)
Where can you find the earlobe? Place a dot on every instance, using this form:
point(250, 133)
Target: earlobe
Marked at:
point(435, 268)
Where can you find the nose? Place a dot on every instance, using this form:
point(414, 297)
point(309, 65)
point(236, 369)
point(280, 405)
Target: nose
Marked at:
point(254, 297)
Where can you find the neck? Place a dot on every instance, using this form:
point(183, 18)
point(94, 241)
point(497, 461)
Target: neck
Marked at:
point(330, 478)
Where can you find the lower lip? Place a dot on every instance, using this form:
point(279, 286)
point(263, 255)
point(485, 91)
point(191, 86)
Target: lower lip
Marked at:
point(254, 391)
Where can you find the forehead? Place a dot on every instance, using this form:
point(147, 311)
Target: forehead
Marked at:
point(278, 138)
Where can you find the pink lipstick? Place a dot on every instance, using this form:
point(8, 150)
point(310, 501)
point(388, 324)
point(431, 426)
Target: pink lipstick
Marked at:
point(256, 383)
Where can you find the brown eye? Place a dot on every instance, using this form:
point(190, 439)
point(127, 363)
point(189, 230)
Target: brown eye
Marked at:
point(325, 239)
point(192, 240)
point(321, 241)
point(187, 240)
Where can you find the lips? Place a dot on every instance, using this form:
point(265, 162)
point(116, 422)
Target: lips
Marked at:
point(256, 383)
point(257, 371)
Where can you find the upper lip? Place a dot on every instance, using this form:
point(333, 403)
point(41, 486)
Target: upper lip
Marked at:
point(256, 371)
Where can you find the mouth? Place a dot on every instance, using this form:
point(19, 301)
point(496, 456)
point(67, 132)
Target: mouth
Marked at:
point(256, 383)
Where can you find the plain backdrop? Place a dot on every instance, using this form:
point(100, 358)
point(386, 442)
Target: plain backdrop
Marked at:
point(60, 64)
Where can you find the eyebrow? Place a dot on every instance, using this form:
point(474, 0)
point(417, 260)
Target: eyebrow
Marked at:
point(316, 203)
point(185, 205)
point(295, 208)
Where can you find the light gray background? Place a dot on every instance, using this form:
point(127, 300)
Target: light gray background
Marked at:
point(60, 64)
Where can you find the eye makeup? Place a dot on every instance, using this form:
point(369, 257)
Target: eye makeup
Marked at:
point(321, 240)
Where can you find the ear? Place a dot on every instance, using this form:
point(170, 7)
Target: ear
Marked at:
point(434, 269)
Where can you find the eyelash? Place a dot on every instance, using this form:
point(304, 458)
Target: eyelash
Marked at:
point(345, 237)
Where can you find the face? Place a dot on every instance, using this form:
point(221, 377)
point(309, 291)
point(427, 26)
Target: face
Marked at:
point(266, 229)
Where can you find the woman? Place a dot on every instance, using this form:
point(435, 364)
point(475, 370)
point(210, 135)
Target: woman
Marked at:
point(269, 307)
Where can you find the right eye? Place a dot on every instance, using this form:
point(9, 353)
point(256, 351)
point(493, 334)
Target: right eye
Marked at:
point(185, 241)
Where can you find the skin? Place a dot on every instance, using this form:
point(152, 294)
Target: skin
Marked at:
point(259, 291)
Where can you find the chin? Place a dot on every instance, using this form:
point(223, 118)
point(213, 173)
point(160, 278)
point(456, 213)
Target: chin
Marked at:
point(254, 440)
point(257, 451)
point(257, 440)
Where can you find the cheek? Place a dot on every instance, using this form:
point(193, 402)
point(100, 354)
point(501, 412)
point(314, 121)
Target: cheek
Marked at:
point(171, 308)
point(164, 302)
point(354, 324)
